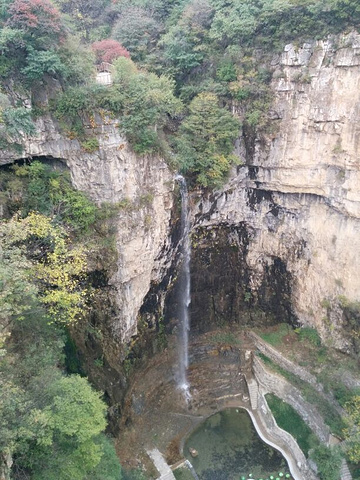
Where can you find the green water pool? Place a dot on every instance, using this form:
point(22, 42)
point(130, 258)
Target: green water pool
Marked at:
point(229, 447)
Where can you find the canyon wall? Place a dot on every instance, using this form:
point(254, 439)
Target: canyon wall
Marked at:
point(279, 242)
point(296, 201)
point(143, 189)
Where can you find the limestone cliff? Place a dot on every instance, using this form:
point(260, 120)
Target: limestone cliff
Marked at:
point(143, 186)
point(297, 199)
point(280, 241)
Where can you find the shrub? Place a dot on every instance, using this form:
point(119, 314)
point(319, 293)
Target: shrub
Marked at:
point(275, 337)
point(352, 431)
point(328, 461)
point(76, 102)
point(90, 145)
point(309, 335)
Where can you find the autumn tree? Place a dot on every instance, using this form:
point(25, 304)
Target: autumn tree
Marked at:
point(38, 19)
point(108, 50)
point(55, 268)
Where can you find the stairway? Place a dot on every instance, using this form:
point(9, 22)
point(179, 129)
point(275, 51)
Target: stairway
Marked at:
point(253, 388)
point(344, 471)
point(160, 464)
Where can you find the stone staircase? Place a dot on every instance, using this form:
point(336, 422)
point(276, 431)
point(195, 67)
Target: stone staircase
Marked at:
point(253, 388)
point(344, 471)
point(160, 464)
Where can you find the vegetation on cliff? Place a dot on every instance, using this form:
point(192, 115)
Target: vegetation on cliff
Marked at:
point(188, 74)
point(51, 423)
point(183, 49)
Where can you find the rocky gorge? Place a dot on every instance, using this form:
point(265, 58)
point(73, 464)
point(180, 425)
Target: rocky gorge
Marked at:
point(278, 243)
point(290, 212)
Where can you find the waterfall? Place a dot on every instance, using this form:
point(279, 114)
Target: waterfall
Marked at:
point(184, 290)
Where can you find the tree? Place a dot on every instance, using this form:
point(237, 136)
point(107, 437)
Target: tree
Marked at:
point(108, 50)
point(206, 141)
point(185, 44)
point(328, 461)
point(234, 19)
point(56, 269)
point(41, 62)
point(87, 16)
point(146, 101)
point(17, 122)
point(352, 433)
point(136, 29)
point(53, 432)
point(17, 292)
point(78, 60)
point(108, 467)
point(38, 19)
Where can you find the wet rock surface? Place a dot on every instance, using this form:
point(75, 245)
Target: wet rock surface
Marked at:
point(156, 413)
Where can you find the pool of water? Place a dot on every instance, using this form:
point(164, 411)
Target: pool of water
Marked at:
point(229, 447)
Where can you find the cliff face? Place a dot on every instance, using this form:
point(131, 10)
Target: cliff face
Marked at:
point(297, 199)
point(280, 241)
point(143, 186)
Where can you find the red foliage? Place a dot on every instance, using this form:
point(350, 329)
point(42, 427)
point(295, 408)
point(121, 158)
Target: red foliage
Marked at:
point(35, 16)
point(108, 50)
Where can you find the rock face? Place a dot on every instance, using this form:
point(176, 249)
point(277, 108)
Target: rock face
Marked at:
point(142, 186)
point(297, 199)
point(280, 241)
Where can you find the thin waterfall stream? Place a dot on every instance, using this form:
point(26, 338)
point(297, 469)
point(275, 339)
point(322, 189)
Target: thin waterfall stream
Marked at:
point(184, 289)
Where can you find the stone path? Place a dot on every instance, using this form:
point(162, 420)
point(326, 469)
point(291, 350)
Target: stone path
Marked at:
point(253, 388)
point(160, 464)
point(344, 471)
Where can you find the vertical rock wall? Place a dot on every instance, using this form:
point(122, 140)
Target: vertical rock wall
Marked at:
point(298, 197)
point(141, 186)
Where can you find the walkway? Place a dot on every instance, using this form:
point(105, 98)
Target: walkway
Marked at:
point(160, 464)
point(345, 472)
point(253, 388)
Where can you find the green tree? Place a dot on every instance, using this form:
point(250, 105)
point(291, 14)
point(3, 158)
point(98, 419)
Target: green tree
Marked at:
point(78, 60)
point(41, 62)
point(85, 16)
point(136, 30)
point(352, 432)
point(50, 424)
point(17, 292)
point(17, 122)
point(146, 103)
point(234, 19)
point(108, 468)
point(206, 141)
point(185, 43)
point(328, 461)
point(54, 431)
